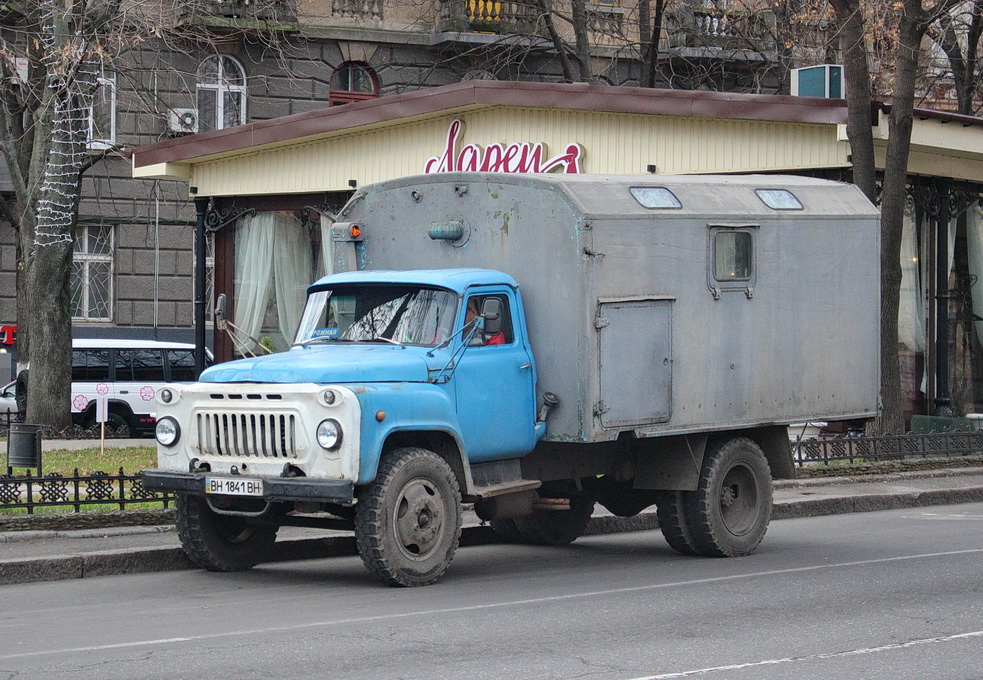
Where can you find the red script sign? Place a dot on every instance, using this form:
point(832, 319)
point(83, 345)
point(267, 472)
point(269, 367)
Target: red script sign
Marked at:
point(516, 157)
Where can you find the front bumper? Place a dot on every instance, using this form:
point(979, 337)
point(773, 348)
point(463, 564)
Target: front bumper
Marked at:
point(340, 491)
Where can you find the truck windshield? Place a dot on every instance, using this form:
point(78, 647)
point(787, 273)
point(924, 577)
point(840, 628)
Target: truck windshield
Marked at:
point(403, 314)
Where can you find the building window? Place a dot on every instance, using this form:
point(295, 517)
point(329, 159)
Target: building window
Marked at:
point(353, 82)
point(92, 274)
point(221, 94)
point(102, 115)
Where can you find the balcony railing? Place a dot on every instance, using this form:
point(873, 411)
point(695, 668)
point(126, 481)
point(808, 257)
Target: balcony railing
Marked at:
point(606, 22)
point(256, 10)
point(488, 16)
point(690, 26)
point(357, 9)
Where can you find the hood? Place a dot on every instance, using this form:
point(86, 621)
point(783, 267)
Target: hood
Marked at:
point(327, 364)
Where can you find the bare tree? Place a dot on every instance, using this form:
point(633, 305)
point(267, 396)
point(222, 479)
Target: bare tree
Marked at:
point(903, 30)
point(51, 59)
point(957, 34)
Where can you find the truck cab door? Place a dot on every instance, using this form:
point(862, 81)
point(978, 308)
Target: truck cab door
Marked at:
point(495, 386)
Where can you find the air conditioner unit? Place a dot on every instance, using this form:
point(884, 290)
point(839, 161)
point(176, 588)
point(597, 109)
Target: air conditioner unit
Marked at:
point(182, 120)
point(824, 81)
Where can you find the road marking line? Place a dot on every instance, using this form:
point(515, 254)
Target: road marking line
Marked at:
point(480, 607)
point(814, 657)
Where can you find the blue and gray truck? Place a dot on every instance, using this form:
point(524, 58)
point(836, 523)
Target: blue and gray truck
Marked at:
point(537, 346)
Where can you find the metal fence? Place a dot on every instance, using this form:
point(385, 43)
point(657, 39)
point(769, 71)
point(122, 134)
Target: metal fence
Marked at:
point(75, 491)
point(912, 446)
point(78, 491)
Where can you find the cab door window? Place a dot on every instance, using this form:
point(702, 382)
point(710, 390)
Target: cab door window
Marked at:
point(504, 336)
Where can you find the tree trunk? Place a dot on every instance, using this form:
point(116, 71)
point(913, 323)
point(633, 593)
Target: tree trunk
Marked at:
point(857, 76)
point(71, 78)
point(651, 52)
point(580, 32)
point(49, 394)
point(558, 44)
point(910, 32)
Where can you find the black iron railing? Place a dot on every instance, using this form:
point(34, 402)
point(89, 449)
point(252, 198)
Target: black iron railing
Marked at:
point(912, 446)
point(76, 491)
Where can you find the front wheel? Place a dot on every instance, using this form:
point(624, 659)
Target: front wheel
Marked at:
point(408, 521)
point(728, 514)
point(221, 542)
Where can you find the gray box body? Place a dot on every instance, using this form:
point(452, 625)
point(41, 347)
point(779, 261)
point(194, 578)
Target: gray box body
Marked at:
point(628, 322)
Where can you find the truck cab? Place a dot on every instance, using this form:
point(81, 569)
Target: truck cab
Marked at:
point(436, 361)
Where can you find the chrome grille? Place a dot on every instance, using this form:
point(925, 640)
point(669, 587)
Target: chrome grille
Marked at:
point(244, 435)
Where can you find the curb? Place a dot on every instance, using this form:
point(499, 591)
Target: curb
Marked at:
point(148, 560)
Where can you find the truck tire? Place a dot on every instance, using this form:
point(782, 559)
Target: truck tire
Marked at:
point(557, 527)
point(670, 508)
point(221, 542)
point(729, 512)
point(408, 521)
point(507, 530)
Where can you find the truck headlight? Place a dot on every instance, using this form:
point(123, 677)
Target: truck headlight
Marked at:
point(167, 431)
point(329, 434)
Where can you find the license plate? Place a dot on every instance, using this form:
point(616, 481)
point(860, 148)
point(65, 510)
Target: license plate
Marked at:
point(230, 486)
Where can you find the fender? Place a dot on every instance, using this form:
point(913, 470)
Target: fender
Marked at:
point(402, 407)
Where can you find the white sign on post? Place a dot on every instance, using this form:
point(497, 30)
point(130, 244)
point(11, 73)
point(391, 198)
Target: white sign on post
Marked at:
point(102, 408)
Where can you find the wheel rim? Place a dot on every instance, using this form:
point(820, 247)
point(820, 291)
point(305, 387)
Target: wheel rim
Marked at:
point(418, 519)
point(739, 500)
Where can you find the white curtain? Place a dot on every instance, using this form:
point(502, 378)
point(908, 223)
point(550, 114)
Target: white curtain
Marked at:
point(254, 239)
point(911, 310)
point(292, 268)
point(974, 242)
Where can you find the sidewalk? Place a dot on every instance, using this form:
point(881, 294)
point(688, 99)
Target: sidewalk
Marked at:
point(28, 556)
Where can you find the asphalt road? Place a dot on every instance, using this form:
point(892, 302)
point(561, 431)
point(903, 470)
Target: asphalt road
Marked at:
point(894, 594)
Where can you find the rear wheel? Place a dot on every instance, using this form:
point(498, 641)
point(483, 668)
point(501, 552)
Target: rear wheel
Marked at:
point(671, 511)
point(728, 514)
point(221, 542)
point(557, 527)
point(408, 521)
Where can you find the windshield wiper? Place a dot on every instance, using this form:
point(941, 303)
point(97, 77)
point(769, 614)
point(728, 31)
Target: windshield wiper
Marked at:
point(321, 338)
point(379, 338)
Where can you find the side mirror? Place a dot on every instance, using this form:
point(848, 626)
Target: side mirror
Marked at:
point(220, 309)
point(491, 312)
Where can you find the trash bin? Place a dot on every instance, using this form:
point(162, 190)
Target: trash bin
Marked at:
point(24, 446)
